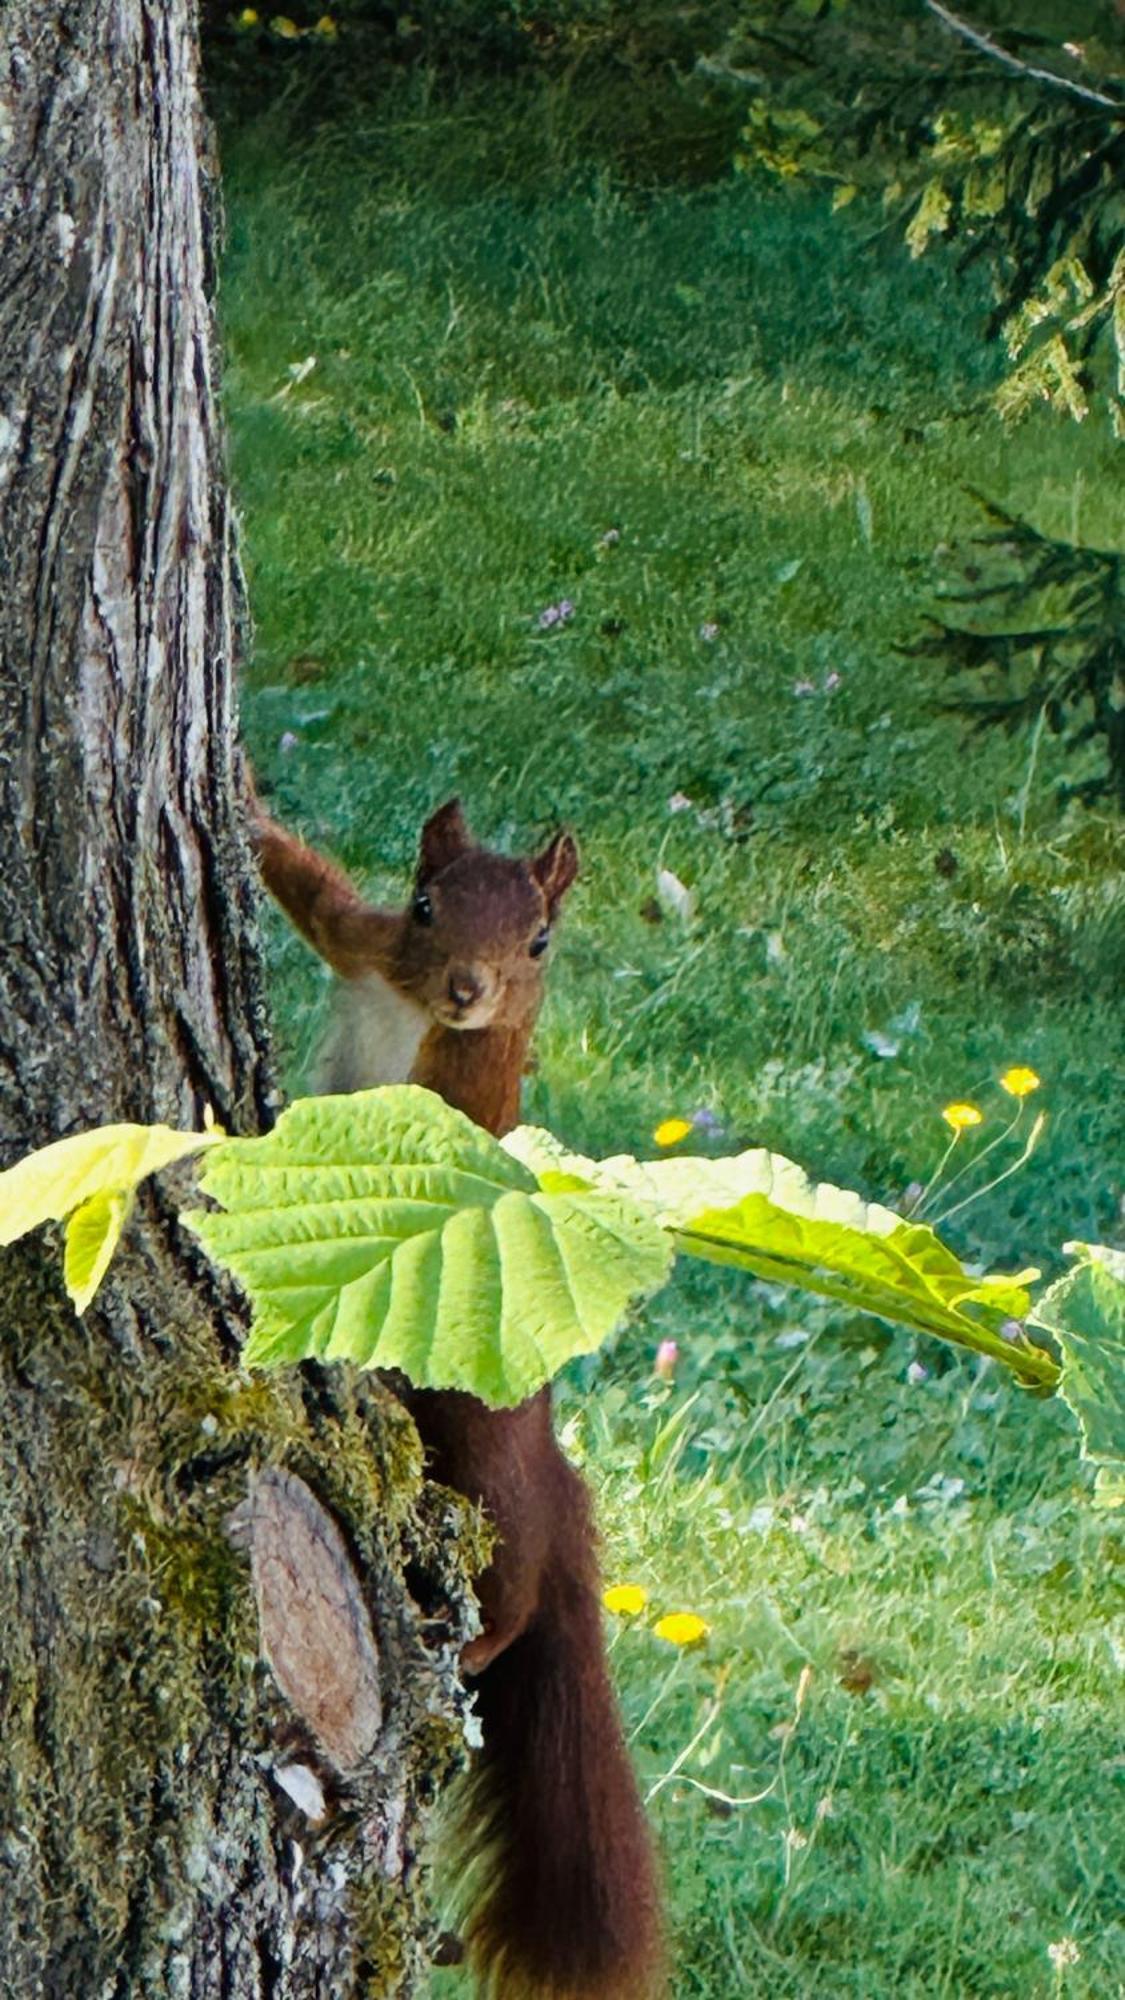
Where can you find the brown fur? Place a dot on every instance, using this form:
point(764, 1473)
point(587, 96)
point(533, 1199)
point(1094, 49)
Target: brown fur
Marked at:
point(561, 1897)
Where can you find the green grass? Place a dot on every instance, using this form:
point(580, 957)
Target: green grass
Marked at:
point(931, 1831)
point(686, 406)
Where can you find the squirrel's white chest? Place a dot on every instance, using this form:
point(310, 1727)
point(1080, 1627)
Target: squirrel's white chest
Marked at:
point(373, 1037)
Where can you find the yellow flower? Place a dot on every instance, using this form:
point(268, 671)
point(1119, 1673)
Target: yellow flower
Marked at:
point(248, 17)
point(961, 1116)
point(1019, 1082)
point(672, 1131)
point(326, 26)
point(626, 1599)
point(681, 1628)
point(282, 25)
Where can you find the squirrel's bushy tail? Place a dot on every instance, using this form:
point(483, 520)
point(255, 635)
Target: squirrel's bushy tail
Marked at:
point(551, 1844)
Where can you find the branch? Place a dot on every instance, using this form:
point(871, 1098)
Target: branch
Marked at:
point(993, 49)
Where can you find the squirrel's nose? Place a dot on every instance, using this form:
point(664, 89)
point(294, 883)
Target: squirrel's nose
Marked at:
point(464, 988)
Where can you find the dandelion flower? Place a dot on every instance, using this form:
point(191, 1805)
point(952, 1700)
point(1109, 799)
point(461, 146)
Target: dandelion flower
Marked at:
point(1019, 1082)
point(671, 1131)
point(961, 1116)
point(326, 26)
point(287, 29)
point(625, 1599)
point(248, 17)
point(1063, 1952)
point(681, 1628)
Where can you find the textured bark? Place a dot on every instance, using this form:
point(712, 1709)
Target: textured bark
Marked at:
point(148, 1845)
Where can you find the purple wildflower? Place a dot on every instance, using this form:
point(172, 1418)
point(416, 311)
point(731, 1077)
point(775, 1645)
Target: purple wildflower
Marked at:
point(556, 614)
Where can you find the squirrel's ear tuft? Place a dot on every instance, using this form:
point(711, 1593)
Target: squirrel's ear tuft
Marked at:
point(444, 836)
point(556, 868)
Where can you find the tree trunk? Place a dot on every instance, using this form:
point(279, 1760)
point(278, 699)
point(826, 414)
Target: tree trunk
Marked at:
point(147, 1843)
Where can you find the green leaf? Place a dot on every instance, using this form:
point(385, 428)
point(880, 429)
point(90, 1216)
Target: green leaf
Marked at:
point(760, 1212)
point(93, 1232)
point(1085, 1312)
point(386, 1229)
point(48, 1184)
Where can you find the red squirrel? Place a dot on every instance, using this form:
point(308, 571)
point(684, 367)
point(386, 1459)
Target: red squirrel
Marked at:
point(445, 993)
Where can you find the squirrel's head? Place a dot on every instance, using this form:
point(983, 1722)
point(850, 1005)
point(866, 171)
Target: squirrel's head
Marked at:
point(478, 927)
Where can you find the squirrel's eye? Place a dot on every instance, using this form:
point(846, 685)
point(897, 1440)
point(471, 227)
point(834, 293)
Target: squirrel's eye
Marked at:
point(422, 910)
point(540, 942)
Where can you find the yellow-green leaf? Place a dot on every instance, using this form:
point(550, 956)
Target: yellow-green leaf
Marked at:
point(760, 1212)
point(385, 1229)
point(49, 1184)
point(93, 1232)
point(1085, 1313)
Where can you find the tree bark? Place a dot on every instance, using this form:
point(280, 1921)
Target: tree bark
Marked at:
point(161, 1831)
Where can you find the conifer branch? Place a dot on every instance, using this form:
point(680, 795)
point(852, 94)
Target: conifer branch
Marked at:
point(990, 48)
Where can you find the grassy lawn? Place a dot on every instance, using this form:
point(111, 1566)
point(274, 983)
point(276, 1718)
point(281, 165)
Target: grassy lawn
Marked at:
point(475, 369)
